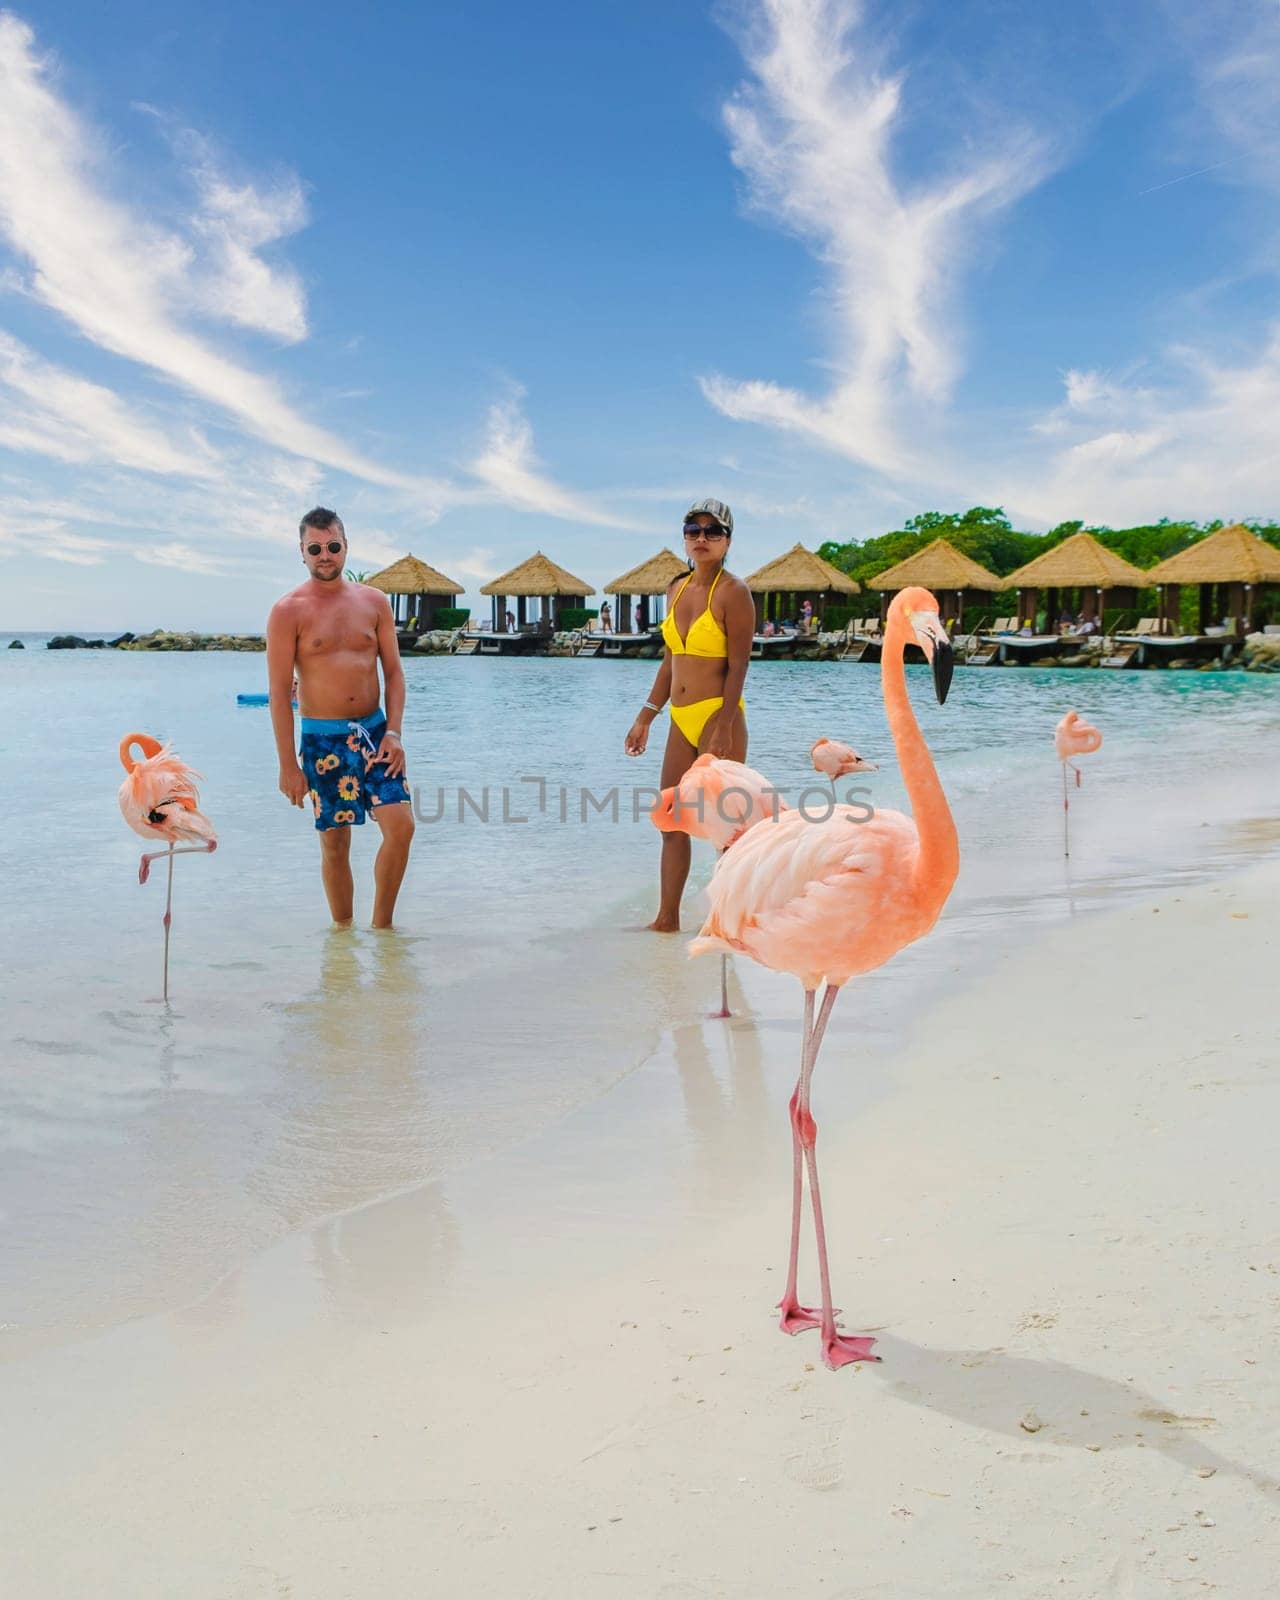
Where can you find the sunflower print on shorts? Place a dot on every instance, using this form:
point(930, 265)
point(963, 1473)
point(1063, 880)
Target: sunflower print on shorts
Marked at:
point(343, 789)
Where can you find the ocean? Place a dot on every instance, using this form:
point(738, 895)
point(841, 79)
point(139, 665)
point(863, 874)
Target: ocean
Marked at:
point(299, 1073)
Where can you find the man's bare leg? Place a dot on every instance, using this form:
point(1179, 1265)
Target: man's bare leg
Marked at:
point(396, 823)
point(335, 873)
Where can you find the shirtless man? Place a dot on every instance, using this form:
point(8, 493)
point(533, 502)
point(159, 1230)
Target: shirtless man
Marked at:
point(333, 634)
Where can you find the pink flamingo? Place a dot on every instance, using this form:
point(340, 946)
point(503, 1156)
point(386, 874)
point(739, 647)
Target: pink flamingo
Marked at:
point(1073, 737)
point(159, 800)
point(719, 802)
point(838, 760)
point(835, 897)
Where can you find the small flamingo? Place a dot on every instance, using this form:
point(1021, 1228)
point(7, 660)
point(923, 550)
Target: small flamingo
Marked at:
point(838, 760)
point(159, 800)
point(719, 802)
point(1073, 737)
point(833, 897)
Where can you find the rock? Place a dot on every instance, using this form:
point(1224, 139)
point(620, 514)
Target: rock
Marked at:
point(1261, 653)
point(16, 644)
point(1031, 1423)
point(67, 641)
point(124, 638)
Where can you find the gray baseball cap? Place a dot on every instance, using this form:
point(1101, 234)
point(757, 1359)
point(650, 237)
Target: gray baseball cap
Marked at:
point(712, 508)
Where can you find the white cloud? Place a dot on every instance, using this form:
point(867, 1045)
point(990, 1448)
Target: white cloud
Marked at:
point(509, 467)
point(236, 221)
point(812, 134)
point(1199, 444)
point(52, 412)
point(182, 556)
point(125, 283)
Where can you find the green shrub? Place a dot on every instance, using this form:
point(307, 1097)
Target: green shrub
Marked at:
point(452, 616)
point(573, 617)
point(836, 618)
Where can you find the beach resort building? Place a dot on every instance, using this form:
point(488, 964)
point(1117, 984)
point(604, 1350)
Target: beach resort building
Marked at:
point(782, 586)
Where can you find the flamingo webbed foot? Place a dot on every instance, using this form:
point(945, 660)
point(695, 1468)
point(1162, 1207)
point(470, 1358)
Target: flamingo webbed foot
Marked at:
point(796, 1318)
point(841, 1349)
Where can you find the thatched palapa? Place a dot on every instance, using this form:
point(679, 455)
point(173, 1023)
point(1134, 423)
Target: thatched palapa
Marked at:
point(1237, 573)
point(537, 578)
point(1079, 565)
point(652, 577)
point(939, 566)
point(794, 577)
point(955, 579)
point(422, 589)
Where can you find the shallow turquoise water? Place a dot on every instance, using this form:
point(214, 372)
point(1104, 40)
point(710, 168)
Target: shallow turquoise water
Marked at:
point(298, 1073)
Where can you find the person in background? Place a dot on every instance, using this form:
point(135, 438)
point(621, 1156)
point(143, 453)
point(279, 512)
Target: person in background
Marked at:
point(708, 631)
point(606, 618)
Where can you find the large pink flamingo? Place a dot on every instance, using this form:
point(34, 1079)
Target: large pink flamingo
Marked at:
point(159, 800)
point(1073, 737)
point(834, 897)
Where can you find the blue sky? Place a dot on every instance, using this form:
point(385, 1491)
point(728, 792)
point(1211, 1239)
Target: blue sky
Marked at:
point(499, 278)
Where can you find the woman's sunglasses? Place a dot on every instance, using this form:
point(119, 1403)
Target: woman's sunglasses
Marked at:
point(693, 529)
point(333, 547)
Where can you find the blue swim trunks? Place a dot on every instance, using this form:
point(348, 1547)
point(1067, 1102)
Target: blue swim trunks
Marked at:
point(335, 756)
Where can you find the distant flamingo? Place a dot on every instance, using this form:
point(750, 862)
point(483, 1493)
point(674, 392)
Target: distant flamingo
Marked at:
point(159, 800)
point(835, 897)
point(1073, 737)
point(838, 760)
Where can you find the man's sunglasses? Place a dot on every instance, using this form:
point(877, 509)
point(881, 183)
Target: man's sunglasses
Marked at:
point(333, 547)
point(693, 529)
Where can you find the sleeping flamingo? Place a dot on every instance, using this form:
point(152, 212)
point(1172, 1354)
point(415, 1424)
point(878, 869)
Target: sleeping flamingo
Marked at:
point(831, 898)
point(719, 803)
point(159, 800)
point(838, 760)
point(1073, 737)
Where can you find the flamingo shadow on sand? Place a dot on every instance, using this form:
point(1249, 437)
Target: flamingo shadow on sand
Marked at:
point(826, 899)
point(1073, 1409)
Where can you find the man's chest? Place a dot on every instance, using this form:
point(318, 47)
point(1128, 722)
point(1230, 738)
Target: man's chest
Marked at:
point(343, 632)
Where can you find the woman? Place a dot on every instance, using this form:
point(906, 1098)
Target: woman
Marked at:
point(708, 630)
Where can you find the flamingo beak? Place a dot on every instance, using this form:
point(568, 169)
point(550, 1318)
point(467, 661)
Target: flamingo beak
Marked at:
point(933, 639)
point(859, 765)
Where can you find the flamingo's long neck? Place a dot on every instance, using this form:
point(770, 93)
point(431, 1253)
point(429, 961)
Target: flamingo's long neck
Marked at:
point(939, 860)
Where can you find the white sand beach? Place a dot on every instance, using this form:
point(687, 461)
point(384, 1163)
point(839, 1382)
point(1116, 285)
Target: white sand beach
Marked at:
point(1060, 1221)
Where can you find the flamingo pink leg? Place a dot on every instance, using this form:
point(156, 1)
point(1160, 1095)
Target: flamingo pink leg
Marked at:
point(838, 1349)
point(144, 866)
point(724, 992)
point(795, 1317)
point(1066, 814)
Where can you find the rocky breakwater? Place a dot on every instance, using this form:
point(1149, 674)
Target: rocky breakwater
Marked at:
point(436, 642)
point(1261, 653)
point(162, 639)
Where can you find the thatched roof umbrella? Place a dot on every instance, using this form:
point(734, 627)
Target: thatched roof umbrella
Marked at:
point(1079, 563)
point(652, 577)
point(410, 577)
point(537, 578)
point(1243, 568)
point(799, 575)
point(953, 577)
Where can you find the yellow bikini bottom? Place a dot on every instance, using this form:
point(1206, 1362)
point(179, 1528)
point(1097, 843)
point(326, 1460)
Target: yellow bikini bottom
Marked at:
point(693, 718)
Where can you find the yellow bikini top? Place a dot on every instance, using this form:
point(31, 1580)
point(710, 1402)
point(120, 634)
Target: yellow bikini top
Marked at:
point(705, 637)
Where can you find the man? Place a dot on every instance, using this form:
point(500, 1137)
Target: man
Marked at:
point(333, 635)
